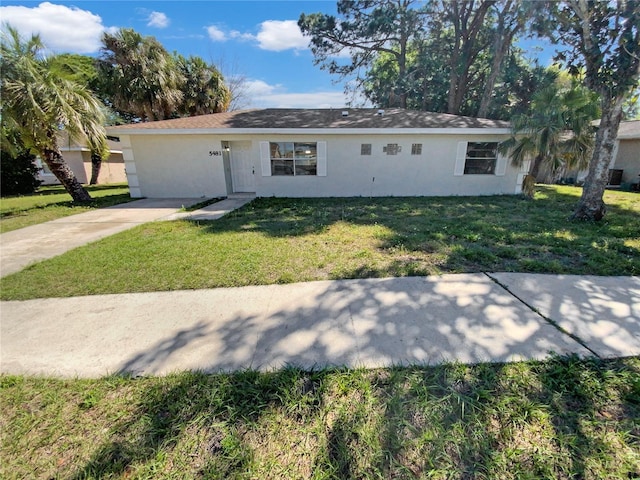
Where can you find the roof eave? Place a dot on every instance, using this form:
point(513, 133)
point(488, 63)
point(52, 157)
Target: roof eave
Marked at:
point(312, 131)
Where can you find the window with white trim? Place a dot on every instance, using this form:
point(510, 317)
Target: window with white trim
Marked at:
point(416, 149)
point(293, 158)
point(365, 149)
point(481, 158)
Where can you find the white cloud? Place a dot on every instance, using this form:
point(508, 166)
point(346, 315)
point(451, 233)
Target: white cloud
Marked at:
point(260, 88)
point(241, 36)
point(61, 28)
point(274, 35)
point(279, 35)
point(264, 95)
point(216, 34)
point(158, 19)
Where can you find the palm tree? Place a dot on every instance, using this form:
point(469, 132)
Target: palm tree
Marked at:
point(204, 90)
point(558, 133)
point(37, 103)
point(138, 75)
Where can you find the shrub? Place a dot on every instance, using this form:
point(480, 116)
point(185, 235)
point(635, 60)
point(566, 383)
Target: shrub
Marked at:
point(19, 174)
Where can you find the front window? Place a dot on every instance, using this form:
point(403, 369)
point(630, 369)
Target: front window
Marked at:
point(481, 158)
point(289, 158)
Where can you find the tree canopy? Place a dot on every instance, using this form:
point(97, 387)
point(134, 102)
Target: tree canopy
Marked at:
point(144, 82)
point(453, 56)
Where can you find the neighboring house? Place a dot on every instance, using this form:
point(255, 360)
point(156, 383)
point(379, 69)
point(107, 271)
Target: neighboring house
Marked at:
point(79, 160)
point(624, 169)
point(626, 155)
point(318, 153)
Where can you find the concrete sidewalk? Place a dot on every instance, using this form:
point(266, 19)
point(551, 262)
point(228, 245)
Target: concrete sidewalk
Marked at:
point(371, 323)
point(20, 248)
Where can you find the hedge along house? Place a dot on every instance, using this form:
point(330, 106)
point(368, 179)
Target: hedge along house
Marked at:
point(318, 153)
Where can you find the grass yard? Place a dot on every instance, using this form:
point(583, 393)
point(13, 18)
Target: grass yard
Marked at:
point(291, 240)
point(51, 202)
point(563, 418)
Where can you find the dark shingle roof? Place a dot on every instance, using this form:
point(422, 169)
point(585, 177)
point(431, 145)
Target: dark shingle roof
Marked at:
point(318, 118)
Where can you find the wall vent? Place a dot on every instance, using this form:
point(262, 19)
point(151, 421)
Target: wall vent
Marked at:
point(345, 113)
point(380, 112)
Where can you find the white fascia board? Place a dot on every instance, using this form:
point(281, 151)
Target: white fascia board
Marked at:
point(74, 149)
point(311, 131)
point(83, 149)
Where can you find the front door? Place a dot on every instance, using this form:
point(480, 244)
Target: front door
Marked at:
point(242, 168)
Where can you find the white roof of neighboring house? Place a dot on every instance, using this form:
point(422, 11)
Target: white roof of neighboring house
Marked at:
point(629, 130)
point(345, 120)
point(66, 144)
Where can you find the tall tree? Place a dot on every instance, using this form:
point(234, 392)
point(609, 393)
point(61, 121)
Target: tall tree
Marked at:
point(365, 28)
point(604, 41)
point(428, 81)
point(138, 75)
point(415, 54)
point(511, 17)
point(203, 87)
point(37, 102)
point(467, 17)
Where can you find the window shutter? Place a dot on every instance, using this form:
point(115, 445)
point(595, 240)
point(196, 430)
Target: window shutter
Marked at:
point(265, 159)
point(501, 165)
point(460, 159)
point(322, 159)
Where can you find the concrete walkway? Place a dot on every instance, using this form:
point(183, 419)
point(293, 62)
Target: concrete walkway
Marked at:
point(215, 210)
point(20, 248)
point(371, 323)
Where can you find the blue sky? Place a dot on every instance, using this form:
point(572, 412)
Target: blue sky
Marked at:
point(258, 40)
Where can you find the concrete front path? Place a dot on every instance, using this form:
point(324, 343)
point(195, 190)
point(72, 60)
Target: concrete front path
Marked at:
point(216, 210)
point(28, 245)
point(370, 323)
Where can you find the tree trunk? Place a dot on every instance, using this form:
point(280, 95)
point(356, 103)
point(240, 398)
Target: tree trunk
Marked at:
point(535, 167)
point(591, 205)
point(502, 42)
point(96, 164)
point(467, 26)
point(61, 170)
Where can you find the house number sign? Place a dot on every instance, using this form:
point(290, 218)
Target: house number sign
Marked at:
point(215, 153)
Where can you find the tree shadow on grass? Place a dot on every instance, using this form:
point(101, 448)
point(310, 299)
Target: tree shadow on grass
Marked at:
point(96, 202)
point(472, 234)
point(216, 408)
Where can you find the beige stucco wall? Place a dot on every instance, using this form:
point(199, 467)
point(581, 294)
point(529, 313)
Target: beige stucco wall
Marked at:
point(179, 165)
point(628, 159)
point(112, 170)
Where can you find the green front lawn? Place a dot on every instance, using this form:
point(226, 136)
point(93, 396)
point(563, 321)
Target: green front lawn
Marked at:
point(563, 418)
point(52, 202)
point(291, 240)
